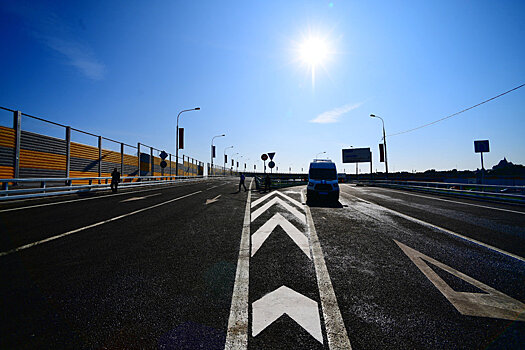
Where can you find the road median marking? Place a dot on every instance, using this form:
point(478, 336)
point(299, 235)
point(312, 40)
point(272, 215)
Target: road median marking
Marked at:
point(92, 225)
point(442, 229)
point(492, 303)
point(284, 300)
point(335, 327)
point(265, 230)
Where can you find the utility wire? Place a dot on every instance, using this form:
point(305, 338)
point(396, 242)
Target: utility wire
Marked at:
point(452, 115)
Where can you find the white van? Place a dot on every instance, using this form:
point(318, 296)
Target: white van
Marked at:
point(322, 180)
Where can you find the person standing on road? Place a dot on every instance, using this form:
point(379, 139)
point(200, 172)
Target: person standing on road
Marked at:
point(241, 182)
point(115, 179)
point(267, 183)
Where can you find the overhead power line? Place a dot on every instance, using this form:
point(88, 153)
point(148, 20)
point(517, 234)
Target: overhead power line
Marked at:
point(452, 115)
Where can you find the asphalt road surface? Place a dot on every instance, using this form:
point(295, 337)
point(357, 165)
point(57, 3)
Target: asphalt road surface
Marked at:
point(202, 266)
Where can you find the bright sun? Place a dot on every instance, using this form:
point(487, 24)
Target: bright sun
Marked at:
point(313, 51)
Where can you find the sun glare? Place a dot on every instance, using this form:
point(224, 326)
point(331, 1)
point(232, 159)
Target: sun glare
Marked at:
point(313, 51)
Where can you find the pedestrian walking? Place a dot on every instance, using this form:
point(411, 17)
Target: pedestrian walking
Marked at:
point(241, 182)
point(267, 183)
point(115, 179)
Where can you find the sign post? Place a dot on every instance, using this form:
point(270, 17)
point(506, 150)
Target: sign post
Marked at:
point(480, 147)
point(264, 158)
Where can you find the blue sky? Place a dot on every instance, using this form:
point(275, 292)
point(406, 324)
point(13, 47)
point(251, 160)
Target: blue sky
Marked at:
point(124, 69)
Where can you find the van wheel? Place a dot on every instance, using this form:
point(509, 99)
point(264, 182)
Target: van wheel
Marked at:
point(309, 195)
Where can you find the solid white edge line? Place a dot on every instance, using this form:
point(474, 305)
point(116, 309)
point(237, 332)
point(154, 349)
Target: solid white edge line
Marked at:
point(334, 325)
point(130, 192)
point(451, 201)
point(424, 223)
point(237, 333)
point(91, 226)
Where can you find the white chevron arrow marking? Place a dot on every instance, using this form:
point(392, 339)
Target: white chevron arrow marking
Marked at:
point(274, 193)
point(284, 300)
point(493, 304)
point(265, 207)
point(265, 230)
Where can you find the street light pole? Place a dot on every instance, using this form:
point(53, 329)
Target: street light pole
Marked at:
point(224, 160)
point(211, 151)
point(384, 141)
point(177, 139)
point(319, 154)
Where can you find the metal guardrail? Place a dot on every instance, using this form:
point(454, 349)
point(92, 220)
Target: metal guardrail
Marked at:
point(14, 189)
point(512, 194)
point(280, 182)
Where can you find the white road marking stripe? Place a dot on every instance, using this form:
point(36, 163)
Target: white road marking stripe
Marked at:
point(132, 199)
point(451, 201)
point(284, 300)
point(491, 303)
point(265, 207)
point(424, 223)
point(237, 334)
point(131, 192)
point(262, 199)
point(335, 327)
point(91, 226)
point(265, 230)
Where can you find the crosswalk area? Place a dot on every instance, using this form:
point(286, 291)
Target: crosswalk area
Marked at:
point(286, 307)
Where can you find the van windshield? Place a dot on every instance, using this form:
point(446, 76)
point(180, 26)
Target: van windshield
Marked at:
point(323, 174)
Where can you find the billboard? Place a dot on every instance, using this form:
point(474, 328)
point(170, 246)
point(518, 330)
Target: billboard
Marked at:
point(357, 155)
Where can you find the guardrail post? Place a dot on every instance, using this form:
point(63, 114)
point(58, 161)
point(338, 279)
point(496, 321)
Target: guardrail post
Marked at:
point(151, 161)
point(68, 151)
point(17, 126)
point(138, 159)
point(99, 157)
point(121, 159)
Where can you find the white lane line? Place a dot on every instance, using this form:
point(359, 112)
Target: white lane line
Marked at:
point(131, 192)
point(237, 334)
point(451, 201)
point(455, 234)
point(132, 199)
point(335, 327)
point(91, 226)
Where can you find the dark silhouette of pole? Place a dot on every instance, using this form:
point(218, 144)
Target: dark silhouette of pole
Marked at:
point(211, 150)
point(384, 141)
point(177, 139)
point(224, 159)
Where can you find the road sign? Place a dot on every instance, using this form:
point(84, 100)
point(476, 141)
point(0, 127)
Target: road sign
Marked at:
point(481, 146)
point(213, 151)
point(163, 155)
point(163, 164)
point(357, 155)
point(271, 154)
point(381, 153)
point(271, 164)
point(264, 157)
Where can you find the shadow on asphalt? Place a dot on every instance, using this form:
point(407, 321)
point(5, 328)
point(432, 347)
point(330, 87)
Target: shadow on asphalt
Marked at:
point(323, 204)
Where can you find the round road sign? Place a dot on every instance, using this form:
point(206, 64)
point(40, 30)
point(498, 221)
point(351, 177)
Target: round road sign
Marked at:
point(163, 164)
point(264, 156)
point(271, 164)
